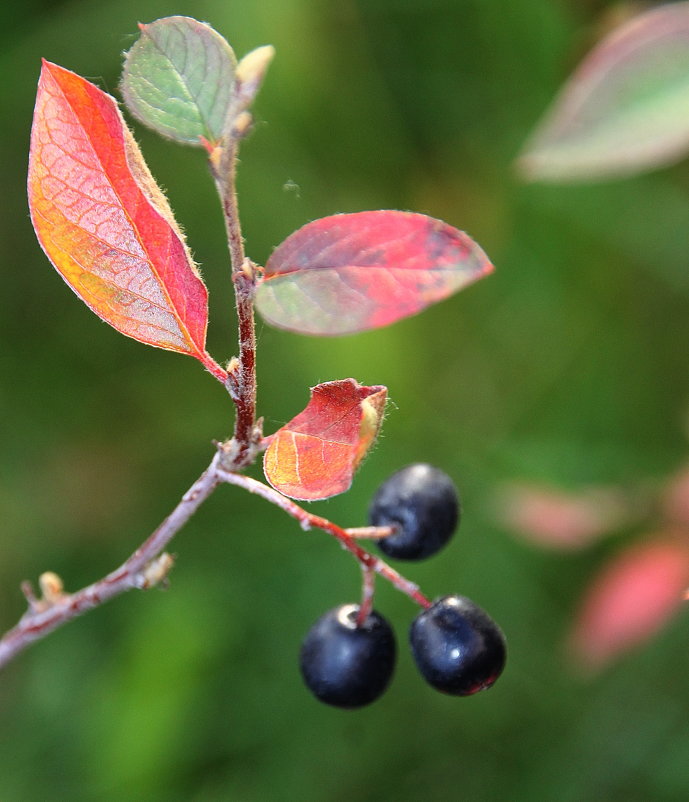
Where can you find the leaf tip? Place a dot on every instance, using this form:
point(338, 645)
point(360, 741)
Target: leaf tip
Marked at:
point(254, 65)
point(47, 66)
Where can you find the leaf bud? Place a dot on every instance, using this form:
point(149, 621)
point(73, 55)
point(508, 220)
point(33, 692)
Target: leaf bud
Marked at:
point(52, 588)
point(250, 73)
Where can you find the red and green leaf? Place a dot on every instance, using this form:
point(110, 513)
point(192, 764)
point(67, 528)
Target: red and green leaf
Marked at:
point(625, 108)
point(315, 455)
point(178, 80)
point(104, 223)
point(353, 272)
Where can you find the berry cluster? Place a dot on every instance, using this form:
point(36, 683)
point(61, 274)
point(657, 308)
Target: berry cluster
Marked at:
point(348, 662)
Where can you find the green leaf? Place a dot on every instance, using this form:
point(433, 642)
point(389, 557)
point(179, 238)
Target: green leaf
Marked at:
point(178, 79)
point(624, 110)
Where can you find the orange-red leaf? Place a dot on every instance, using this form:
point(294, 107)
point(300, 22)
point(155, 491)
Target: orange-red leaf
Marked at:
point(630, 600)
point(315, 455)
point(104, 223)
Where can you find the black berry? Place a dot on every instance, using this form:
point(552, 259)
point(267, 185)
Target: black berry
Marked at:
point(422, 501)
point(345, 664)
point(457, 646)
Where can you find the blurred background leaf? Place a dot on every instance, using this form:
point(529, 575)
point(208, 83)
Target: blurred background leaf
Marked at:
point(567, 366)
point(623, 111)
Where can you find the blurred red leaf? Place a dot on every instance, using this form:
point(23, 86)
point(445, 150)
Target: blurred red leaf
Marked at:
point(104, 223)
point(352, 272)
point(675, 498)
point(315, 455)
point(630, 600)
point(558, 519)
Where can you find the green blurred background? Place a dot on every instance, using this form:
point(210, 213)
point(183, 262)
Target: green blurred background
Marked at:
point(567, 366)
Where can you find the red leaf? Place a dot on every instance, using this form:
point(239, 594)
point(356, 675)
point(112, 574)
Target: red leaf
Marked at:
point(675, 498)
point(315, 455)
point(103, 222)
point(630, 600)
point(353, 272)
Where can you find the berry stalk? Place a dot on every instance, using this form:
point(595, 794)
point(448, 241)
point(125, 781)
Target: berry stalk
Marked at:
point(368, 588)
point(308, 521)
point(149, 564)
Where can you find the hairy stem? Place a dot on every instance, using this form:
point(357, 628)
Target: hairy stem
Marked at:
point(241, 380)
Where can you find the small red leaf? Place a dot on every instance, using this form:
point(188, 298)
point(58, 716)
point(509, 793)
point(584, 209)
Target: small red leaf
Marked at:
point(103, 222)
point(315, 455)
point(353, 272)
point(630, 600)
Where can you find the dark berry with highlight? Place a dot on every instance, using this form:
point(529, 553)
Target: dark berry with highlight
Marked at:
point(457, 646)
point(345, 663)
point(422, 502)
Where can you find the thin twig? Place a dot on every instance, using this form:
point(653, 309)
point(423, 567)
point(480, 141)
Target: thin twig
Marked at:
point(141, 570)
point(149, 564)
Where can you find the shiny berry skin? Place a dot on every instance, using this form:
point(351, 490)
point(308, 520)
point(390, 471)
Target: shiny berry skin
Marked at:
point(346, 665)
point(457, 646)
point(422, 501)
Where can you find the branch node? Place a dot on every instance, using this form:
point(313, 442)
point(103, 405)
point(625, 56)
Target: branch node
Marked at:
point(52, 592)
point(257, 435)
point(235, 453)
point(155, 572)
point(232, 383)
point(215, 155)
point(248, 269)
point(242, 125)
point(229, 452)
